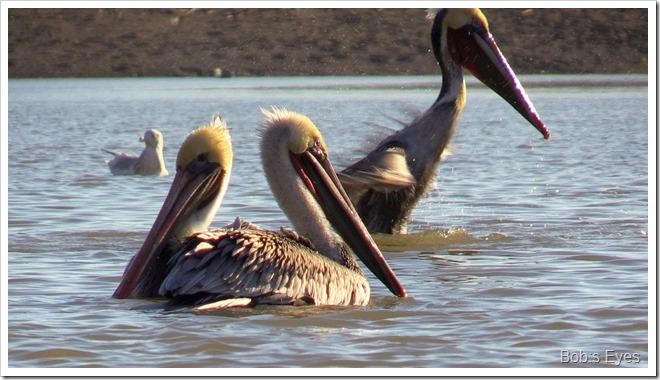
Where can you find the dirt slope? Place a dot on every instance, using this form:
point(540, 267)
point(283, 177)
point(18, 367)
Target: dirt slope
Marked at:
point(274, 42)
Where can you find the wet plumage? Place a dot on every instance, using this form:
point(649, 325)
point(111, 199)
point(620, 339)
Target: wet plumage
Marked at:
point(386, 185)
point(242, 264)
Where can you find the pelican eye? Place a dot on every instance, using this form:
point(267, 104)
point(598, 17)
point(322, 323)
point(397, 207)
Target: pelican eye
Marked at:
point(478, 26)
point(202, 157)
point(317, 151)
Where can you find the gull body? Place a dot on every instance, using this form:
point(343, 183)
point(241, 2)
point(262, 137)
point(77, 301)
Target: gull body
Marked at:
point(149, 162)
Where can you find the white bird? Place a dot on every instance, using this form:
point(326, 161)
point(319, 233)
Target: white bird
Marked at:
point(149, 162)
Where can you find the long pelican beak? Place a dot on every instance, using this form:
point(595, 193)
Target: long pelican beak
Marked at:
point(319, 176)
point(192, 190)
point(479, 54)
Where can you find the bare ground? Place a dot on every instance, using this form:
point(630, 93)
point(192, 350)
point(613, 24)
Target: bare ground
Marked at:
point(276, 42)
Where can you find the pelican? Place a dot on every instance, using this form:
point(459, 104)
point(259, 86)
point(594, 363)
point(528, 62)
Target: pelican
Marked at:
point(386, 185)
point(243, 265)
point(149, 162)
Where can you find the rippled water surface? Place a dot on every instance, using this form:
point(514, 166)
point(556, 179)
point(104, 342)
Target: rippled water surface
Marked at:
point(525, 253)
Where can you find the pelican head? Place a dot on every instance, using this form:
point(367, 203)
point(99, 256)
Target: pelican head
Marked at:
point(203, 167)
point(152, 138)
point(295, 160)
point(462, 36)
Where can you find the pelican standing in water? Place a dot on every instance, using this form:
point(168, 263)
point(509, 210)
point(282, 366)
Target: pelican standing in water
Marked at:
point(243, 265)
point(386, 185)
point(149, 162)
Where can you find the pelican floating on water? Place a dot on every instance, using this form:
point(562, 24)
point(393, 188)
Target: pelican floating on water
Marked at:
point(386, 185)
point(243, 265)
point(149, 162)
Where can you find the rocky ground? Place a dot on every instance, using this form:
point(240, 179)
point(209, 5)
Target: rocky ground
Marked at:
point(274, 42)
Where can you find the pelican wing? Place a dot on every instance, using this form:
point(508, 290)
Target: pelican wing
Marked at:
point(382, 170)
point(261, 265)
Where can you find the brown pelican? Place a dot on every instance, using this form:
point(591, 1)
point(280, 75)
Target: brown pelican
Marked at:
point(243, 265)
point(386, 185)
point(149, 162)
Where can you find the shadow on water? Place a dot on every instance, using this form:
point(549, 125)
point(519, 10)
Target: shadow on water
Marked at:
point(286, 312)
point(434, 239)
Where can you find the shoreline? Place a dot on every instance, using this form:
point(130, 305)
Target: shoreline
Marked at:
point(341, 82)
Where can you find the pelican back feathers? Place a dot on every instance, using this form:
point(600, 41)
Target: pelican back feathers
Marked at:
point(265, 266)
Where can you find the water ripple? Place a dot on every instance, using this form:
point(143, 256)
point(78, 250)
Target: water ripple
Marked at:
point(521, 249)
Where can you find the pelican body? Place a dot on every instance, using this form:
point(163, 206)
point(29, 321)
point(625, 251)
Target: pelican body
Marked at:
point(242, 264)
point(149, 162)
point(386, 185)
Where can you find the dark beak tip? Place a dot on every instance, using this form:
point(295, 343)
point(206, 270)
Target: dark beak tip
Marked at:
point(545, 132)
point(540, 126)
point(118, 295)
point(397, 288)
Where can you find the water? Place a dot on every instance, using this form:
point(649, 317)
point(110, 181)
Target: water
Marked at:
point(526, 253)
